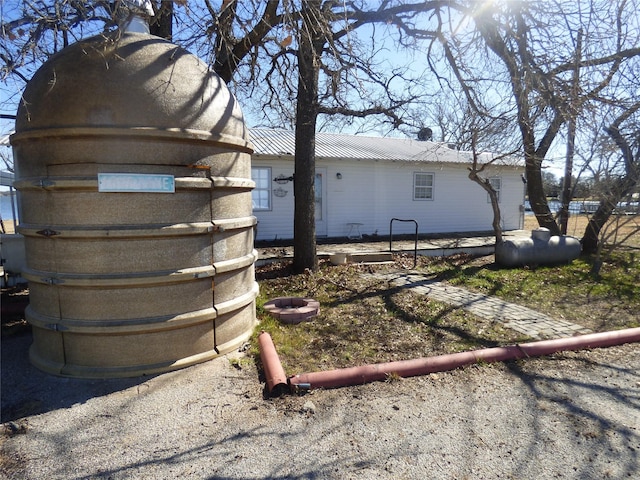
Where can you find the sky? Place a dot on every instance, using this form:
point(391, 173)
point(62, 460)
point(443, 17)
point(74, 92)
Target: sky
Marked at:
point(10, 93)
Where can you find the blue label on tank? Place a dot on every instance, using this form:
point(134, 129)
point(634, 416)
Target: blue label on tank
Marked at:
point(136, 182)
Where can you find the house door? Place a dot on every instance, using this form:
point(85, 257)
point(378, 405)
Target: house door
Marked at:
point(321, 202)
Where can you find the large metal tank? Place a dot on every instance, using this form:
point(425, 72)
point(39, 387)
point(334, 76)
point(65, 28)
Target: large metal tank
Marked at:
point(133, 165)
point(540, 249)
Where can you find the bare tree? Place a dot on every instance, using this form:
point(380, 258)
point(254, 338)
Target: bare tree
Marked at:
point(33, 31)
point(624, 131)
point(330, 60)
point(302, 53)
point(476, 174)
point(473, 132)
point(538, 71)
point(567, 191)
point(307, 54)
point(314, 28)
point(334, 73)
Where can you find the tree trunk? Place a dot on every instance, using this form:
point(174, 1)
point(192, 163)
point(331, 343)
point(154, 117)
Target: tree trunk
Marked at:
point(304, 223)
point(495, 206)
point(162, 24)
point(622, 187)
point(591, 237)
point(567, 189)
point(537, 197)
point(566, 183)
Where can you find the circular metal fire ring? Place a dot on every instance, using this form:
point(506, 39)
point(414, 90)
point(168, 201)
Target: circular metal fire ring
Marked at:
point(293, 309)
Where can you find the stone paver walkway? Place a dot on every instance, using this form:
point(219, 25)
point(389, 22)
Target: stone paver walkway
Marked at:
point(521, 319)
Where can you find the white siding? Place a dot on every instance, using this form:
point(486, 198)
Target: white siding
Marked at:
point(277, 223)
point(374, 192)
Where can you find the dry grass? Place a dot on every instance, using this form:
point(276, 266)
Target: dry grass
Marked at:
point(8, 226)
point(364, 320)
point(569, 292)
point(368, 321)
point(625, 227)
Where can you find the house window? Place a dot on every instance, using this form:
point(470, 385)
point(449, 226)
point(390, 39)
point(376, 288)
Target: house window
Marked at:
point(496, 184)
point(423, 186)
point(261, 195)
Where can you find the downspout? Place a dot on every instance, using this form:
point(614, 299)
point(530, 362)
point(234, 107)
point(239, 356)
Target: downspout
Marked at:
point(421, 366)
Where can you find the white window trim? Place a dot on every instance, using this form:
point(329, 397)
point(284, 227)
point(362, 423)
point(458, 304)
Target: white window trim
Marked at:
point(433, 186)
point(268, 189)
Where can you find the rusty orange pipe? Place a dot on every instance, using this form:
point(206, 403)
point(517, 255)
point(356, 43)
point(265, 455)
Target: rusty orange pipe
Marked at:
point(274, 373)
point(421, 366)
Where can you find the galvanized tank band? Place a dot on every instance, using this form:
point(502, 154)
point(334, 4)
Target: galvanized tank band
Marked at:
point(234, 223)
point(123, 252)
point(184, 135)
point(91, 183)
point(115, 280)
point(119, 326)
point(236, 263)
point(140, 279)
point(178, 230)
point(140, 325)
point(239, 301)
point(72, 370)
point(232, 182)
point(223, 348)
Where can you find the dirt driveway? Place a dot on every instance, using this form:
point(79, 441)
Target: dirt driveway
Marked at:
point(574, 415)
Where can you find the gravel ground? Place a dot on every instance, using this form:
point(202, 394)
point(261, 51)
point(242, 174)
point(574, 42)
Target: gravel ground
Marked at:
point(574, 415)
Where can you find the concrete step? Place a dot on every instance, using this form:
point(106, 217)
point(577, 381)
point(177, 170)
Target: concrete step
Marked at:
point(339, 258)
point(370, 257)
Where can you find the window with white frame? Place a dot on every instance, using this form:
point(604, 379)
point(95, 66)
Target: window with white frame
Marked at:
point(423, 186)
point(261, 195)
point(496, 184)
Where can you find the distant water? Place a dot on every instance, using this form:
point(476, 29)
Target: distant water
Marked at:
point(5, 207)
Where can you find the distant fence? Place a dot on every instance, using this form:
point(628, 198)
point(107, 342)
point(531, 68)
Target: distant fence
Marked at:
point(588, 207)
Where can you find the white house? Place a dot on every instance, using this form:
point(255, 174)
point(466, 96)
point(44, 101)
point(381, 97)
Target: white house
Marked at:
point(364, 182)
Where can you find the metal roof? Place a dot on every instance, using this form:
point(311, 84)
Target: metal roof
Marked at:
point(279, 143)
point(274, 142)
point(4, 139)
point(6, 178)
